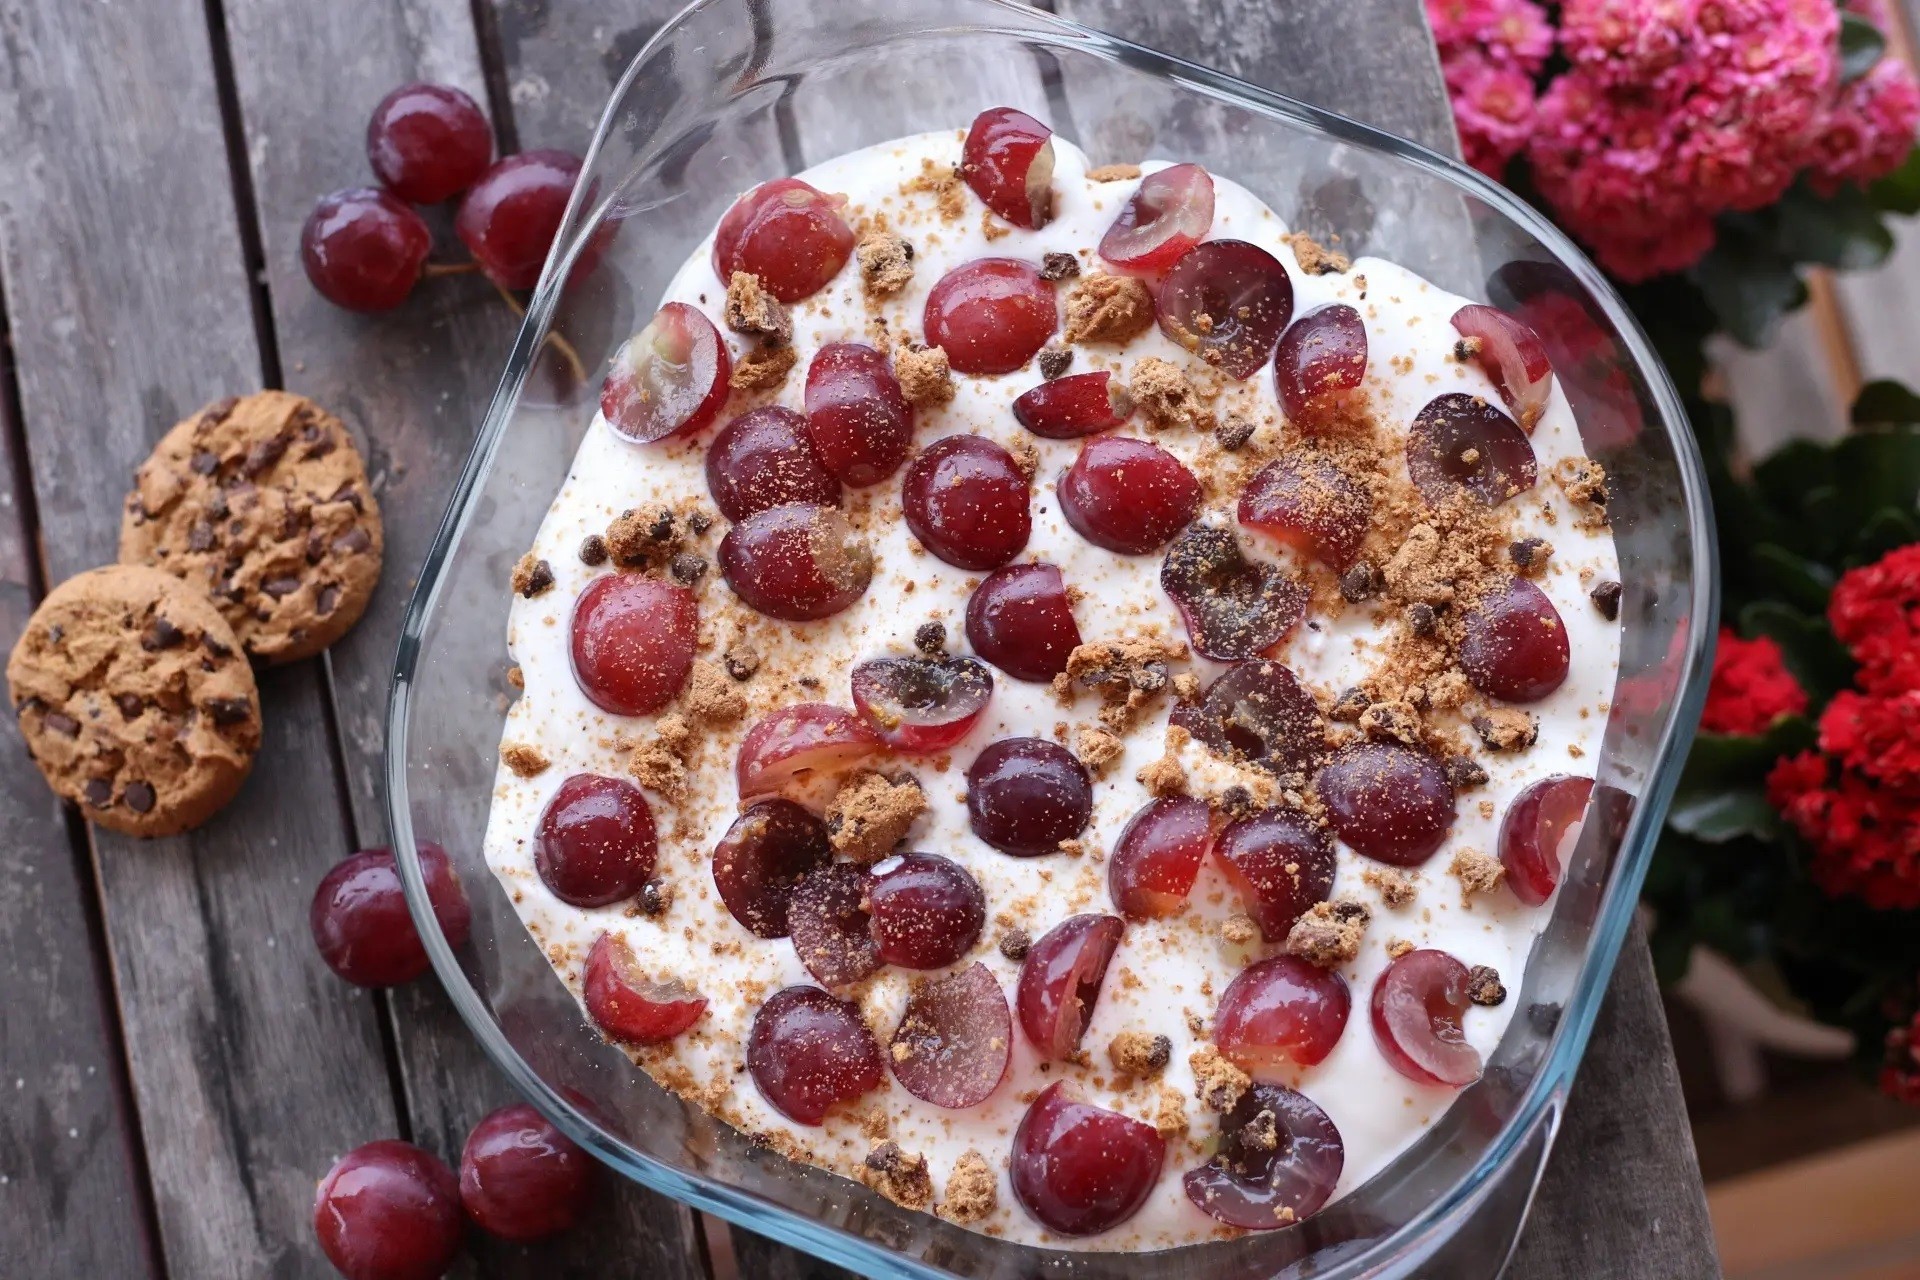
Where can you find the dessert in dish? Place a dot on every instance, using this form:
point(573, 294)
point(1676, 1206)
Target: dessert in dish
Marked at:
point(1051, 695)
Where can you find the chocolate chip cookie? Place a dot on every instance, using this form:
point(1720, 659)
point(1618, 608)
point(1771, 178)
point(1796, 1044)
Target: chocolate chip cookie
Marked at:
point(263, 503)
point(135, 700)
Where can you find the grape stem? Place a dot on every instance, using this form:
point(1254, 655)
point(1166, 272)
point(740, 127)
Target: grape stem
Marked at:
point(434, 270)
point(559, 344)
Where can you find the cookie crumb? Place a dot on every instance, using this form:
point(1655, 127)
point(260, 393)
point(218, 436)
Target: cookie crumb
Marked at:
point(1465, 773)
point(900, 1177)
point(1113, 172)
point(1015, 943)
point(1167, 396)
point(1484, 986)
point(1349, 706)
point(972, 1190)
point(1361, 582)
point(532, 577)
point(636, 539)
point(1606, 598)
point(741, 661)
point(1216, 1082)
point(751, 310)
point(1530, 555)
point(1234, 432)
point(1504, 729)
point(1476, 872)
point(1395, 887)
point(656, 897)
point(1170, 1113)
point(1026, 458)
point(1108, 309)
point(710, 699)
point(1097, 748)
point(871, 814)
point(1059, 266)
point(886, 263)
point(687, 568)
point(1395, 721)
point(762, 368)
point(1055, 361)
point(525, 760)
point(1239, 930)
point(1164, 777)
point(1397, 947)
point(593, 550)
point(516, 677)
point(930, 638)
point(925, 374)
point(1139, 1053)
point(1584, 481)
point(1315, 258)
point(1127, 674)
point(942, 181)
point(1329, 933)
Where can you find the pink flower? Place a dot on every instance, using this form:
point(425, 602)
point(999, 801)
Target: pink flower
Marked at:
point(1869, 130)
point(1493, 108)
point(1504, 33)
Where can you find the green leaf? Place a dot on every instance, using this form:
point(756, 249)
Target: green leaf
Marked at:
point(1861, 45)
point(1812, 654)
point(1786, 474)
point(1885, 401)
point(1899, 191)
point(1797, 579)
point(1672, 949)
point(1876, 469)
point(1886, 530)
point(1842, 230)
point(1749, 293)
point(1720, 816)
point(1724, 761)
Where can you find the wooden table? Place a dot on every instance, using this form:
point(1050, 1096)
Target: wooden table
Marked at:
point(177, 1065)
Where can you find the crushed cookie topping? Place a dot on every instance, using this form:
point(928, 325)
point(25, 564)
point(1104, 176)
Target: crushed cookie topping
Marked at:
point(1108, 309)
point(751, 310)
point(886, 263)
point(1167, 396)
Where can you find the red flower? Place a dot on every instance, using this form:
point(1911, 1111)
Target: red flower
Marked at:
point(1865, 837)
point(1875, 611)
point(1877, 738)
point(1751, 688)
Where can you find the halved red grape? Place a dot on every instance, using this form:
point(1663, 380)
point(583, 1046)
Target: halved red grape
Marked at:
point(827, 918)
point(1167, 214)
point(1060, 981)
point(857, 416)
point(954, 1040)
point(1158, 855)
point(595, 843)
point(1079, 404)
point(927, 910)
point(797, 563)
point(1127, 495)
point(508, 219)
point(1391, 803)
point(629, 1004)
point(632, 642)
point(388, 1211)
point(1281, 1012)
point(808, 738)
point(668, 379)
point(786, 233)
point(1461, 444)
point(991, 315)
point(1226, 301)
point(1021, 621)
point(1008, 161)
point(1310, 504)
point(1280, 863)
point(1541, 826)
point(1320, 362)
point(809, 1052)
point(426, 142)
point(1279, 1159)
point(521, 1179)
point(1515, 646)
point(764, 459)
point(769, 847)
point(360, 923)
point(363, 249)
point(1258, 711)
point(966, 500)
point(1417, 1006)
point(1512, 355)
point(1081, 1169)
point(921, 704)
point(1026, 795)
point(1233, 607)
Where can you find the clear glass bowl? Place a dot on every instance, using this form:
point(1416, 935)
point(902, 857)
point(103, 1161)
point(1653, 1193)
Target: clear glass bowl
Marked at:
point(733, 92)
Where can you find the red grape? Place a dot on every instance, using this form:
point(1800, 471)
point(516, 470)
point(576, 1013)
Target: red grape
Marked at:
point(786, 233)
point(360, 922)
point(632, 642)
point(1541, 826)
point(1310, 504)
point(1279, 1159)
point(1281, 1011)
point(927, 910)
point(1512, 355)
point(966, 501)
point(1021, 621)
point(1461, 444)
point(764, 459)
point(1257, 711)
point(1166, 215)
point(630, 1006)
point(1079, 404)
point(1008, 161)
point(1391, 803)
point(1060, 981)
point(796, 563)
point(669, 379)
point(428, 142)
point(388, 1211)
point(521, 1179)
point(808, 1052)
point(1081, 1169)
point(809, 737)
point(769, 847)
point(363, 249)
point(509, 218)
point(1279, 863)
point(954, 1040)
point(1158, 855)
point(1320, 362)
point(921, 704)
point(1515, 646)
point(1227, 301)
point(990, 315)
point(1233, 607)
point(857, 416)
point(830, 926)
point(1127, 495)
point(595, 843)
point(1417, 1006)
point(1026, 795)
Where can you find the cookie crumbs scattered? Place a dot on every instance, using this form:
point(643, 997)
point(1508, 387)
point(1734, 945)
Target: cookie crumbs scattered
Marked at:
point(1055, 361)
point(1397, 947)
point(942, 181)
point(1026, 458)
point(900, 1177)
point(1097, 748)
point(1127, 674)
point(1186, 686)
point(972, 1190)
point(1262, 1133)
point(1167, 396)
point(1465, 773)
point(871, 814)
point(925, 374)
point(1109, 309)
point(532, 577)
point(1476, 872)
point(741, 661)
point(593, 550)
point(1361, 582)
point(930, 638)
point(1239, 929)
point(753, 311)
point(656, 897)
point(1074, 847)
point(1584, 481)
point(1165, 776)
point(1349, 706)
point(710, 699)
point(1233, 432)
point(1504, 729)
point(1170, 1114)
point(516, 677)
point(762, 368)
point(1395, 887)
point(1418, 573)
point(1484, 986)
point(638, 538)
point(1329, 933)
point(1140, 1053)
point(525, 760)
point(1015, 943)
point(1530, 555)
point(1113, 172)
point(659, 763)
point(1216, 1082)
point(1606, 598)
point(1394, 721)
point(1315, 258)
point(1059, 266)
point(886, 263)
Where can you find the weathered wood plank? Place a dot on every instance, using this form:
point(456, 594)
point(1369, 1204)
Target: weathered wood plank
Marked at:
point(130, 306)
point(414, 385)
point(1880, 310)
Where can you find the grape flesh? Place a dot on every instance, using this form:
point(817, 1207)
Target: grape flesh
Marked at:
point(954, 1040)
point(921, 704)
point(831, 930)
point(1418, 1004)
point(1127, 495)
point(991, 315)
point(1257, 711)
point(428, 142)
point(788, 234)
point(809, 1052)
point(1167, 214)
point(1278, 1161)
point(1157, 857)
point(509, 218)
point(1310, 504)
point(1280, 864)
point(1026, 795)
point(1515, 647)
point(966, 501)
point(388, 1211)
point(1234, 607)
point(1460, 444)
point(1081, 1169)
point(630, 1006)
point(521, 1179)
point(1319, 365)
point(927, 911)
point(1060, 981)
point(1008, 162)
point(1390, 803)
point(670, 379)
point(363, 249)
point(797, 563)
point(1020, 619)
point(1226, 301)
point(360, 923)
point(1540, 828)
point(764, 459)
point(1080, 404)
point(762, 857)
point(595, 844)
point(1281, 1012)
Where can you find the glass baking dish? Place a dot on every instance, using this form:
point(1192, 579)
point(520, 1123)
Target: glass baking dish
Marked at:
point(733, 92)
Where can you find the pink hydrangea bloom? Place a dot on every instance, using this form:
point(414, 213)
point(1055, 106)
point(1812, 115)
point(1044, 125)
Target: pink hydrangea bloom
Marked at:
point(1493, 109)
point(1868, 131)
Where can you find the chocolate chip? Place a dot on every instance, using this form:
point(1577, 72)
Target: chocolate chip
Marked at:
point(930, 638)
point(686, 568)
point(661, 530)
point(130, 704)
point(322, 447)
point(200, 536)
point(217, 505)
point(263, 455)
point(214, 647)
point(699, 521)
point(1349, 705)
point(1059, 266)
point(1466, 349)
point(1530, 554)
point(1465, 773)
point(741, 662)
point(353, 541)
point(1236, 801)
point(229, 711)
point(139, 797)
point(1233, 432)
point(1055, 361)
point(1484, 986)
point(219, 411)
point(1606, 598)
point(539, 579)
point(1015, 943)
point(279, 588)
point(56, 633)
point(160, 634)
point(593, 550)
point(329, 597)
point(64, 725)
point(1362, 582)
point(1422, 619)
point(1149, 677)
point(655, 897)
point(349, 493)
point(203, 463)
point(98, 792)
